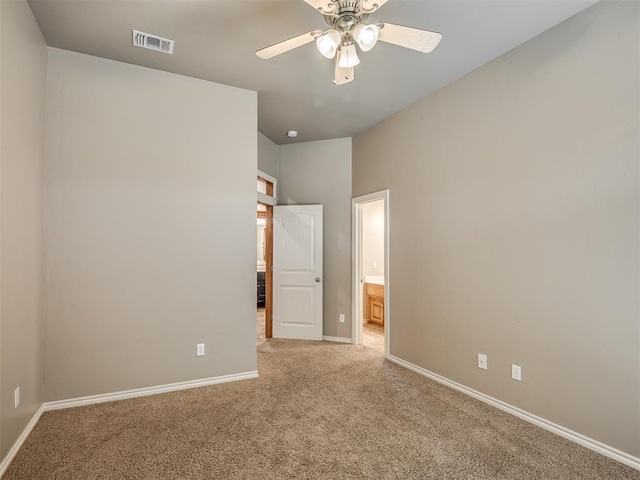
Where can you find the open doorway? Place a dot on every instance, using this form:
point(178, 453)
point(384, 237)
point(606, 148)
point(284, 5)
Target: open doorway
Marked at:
point(371, 271)
point(261, 273)
point(266, 189)
point(373, 274)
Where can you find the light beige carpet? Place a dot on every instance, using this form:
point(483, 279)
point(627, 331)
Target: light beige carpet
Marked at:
point(318, 411)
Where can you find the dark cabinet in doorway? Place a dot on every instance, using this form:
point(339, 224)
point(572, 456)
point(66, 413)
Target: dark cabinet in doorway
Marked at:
point(261, 289)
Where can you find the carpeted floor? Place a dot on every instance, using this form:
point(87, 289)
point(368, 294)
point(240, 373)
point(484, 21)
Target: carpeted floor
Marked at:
point(319, 410)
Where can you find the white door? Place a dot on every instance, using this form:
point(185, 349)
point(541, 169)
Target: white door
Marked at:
point(297, 272)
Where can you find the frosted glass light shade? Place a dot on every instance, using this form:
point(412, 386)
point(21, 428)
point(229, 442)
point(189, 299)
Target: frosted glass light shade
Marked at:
point(366, 36)
point(348, 56)
point(342, 75)
point(328, 43)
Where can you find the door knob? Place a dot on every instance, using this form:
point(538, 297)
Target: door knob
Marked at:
point(318, 279)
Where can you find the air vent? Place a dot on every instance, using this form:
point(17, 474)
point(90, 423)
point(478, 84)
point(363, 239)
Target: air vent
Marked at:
point(152, 42)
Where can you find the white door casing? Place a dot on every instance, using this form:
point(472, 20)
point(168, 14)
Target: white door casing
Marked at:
point(297, 272)
point(358, 276)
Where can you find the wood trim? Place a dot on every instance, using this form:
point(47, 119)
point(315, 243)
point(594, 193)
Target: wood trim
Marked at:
point(268, 179)
point(265, 176)
point(268, 257)
point(269, 201)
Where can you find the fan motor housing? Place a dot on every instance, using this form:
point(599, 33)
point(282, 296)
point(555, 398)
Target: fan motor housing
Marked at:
point(345, 6)
point(347, 14)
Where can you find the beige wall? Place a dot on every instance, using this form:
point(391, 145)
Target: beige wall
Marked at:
point(268, 156)
point(373, 238)
point(23, 54)
point(150, 201)
point(320, 173)
point(514, 225)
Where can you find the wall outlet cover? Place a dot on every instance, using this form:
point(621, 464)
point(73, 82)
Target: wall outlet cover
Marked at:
point(342, 318)
point(482, 361)
point(516, 372)
point(200, 350)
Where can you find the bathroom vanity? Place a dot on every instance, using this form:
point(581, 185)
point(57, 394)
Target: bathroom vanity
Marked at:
point(374, 299)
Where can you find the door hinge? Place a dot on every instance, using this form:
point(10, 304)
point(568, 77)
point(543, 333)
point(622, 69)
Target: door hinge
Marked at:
point(272, 268)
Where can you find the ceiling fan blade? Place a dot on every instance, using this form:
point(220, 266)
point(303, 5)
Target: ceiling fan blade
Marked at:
point(286, 45)
point(343, 75)
point(370, 6)
point(409, 37)
point(325, 7)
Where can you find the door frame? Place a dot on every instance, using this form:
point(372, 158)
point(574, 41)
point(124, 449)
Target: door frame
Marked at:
point(357, 311)
point(268, 277)
point(269, 200)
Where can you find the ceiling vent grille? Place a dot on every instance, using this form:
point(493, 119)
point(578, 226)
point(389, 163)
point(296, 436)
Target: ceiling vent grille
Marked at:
point(152, 42)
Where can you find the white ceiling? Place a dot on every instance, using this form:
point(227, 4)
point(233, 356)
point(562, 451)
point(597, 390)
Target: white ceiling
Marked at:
point(216, 40)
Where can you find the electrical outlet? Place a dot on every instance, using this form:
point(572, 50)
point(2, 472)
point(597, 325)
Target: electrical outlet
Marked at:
point(516, 372)
point(200, 350)
point(16, 398)
point(482, 361)
point(342, 318)
point(375, 264)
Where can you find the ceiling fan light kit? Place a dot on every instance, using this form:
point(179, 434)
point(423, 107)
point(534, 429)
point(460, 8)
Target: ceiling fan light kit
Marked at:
point(348, 56)
point(328, 43)
point(346, 19)
point(366, 36)
point(342, 74)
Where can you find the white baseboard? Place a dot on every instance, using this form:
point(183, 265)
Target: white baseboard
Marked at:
point(143, 392)
point(596, 446)
point(21, 439)
point(326, 338)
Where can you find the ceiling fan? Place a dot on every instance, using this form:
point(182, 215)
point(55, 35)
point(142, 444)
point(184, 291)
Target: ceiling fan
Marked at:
point(346, 19)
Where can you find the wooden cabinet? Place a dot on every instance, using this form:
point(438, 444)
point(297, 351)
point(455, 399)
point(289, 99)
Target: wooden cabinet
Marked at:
point(374, 303)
